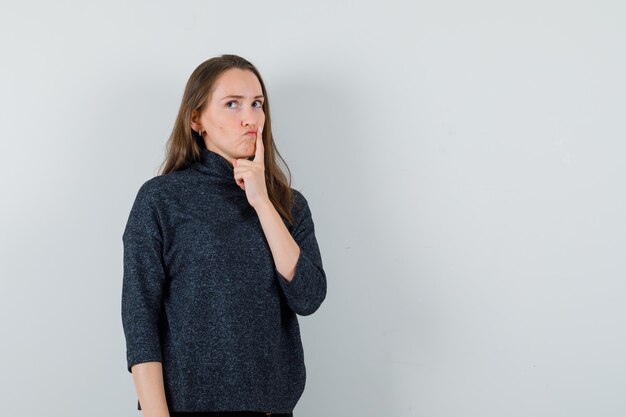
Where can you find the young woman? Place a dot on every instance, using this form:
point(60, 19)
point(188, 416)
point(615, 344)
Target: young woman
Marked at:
point(220, 256)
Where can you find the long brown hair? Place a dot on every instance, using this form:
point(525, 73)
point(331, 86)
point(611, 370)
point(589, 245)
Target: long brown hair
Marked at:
point(182, 148)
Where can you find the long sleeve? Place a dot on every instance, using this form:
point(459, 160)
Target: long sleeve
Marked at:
point(307, 290)
point(143, 281)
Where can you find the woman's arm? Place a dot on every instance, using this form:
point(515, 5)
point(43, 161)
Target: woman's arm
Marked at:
point(297, 258)
point(284, 248)
point(144, 283)
point(148, 379)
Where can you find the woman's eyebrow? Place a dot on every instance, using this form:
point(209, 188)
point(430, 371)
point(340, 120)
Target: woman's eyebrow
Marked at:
point(235, 96)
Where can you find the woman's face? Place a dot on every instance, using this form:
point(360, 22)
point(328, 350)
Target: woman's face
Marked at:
point(234, 108)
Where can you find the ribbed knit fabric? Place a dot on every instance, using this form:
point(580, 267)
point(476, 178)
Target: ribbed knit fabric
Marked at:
point(201, 293)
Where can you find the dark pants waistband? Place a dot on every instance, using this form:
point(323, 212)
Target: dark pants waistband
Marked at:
point(227, 414)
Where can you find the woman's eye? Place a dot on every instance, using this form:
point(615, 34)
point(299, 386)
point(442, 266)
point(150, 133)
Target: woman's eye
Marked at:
point(235, 101)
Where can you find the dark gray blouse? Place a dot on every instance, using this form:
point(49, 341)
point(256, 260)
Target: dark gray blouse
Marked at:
point(201, 293)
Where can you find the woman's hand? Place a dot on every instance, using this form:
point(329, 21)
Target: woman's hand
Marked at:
point(250, 175)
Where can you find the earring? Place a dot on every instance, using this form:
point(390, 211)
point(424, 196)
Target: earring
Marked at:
point(200, 132)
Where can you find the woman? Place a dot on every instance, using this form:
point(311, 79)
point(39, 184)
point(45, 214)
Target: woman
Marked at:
point(220, 256)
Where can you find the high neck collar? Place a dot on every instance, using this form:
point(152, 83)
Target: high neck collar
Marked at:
point(214, 164)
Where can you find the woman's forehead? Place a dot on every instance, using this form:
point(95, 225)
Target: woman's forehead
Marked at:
point(237, 82)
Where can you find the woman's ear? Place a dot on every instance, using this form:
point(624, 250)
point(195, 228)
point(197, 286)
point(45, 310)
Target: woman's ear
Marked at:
point(195, 119)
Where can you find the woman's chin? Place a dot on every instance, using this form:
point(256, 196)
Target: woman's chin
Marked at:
point(250, 153)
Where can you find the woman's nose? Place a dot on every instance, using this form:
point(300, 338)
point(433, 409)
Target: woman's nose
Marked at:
point(250, 118)
point(249, 121)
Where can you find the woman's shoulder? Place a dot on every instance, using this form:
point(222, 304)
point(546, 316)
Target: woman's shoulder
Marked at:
point(300, 205)
point(156, 187)
point(164, 181)
point(298, 199)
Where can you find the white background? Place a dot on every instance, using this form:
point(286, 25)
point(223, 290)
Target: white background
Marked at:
point(463, 161)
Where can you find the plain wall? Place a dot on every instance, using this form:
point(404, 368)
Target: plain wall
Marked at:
point(464, 164)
